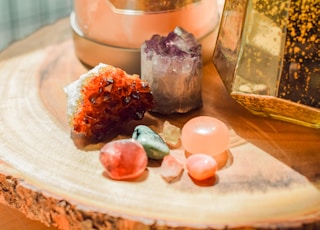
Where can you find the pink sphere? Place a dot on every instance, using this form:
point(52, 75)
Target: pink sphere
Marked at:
point(201, 166)
point(206, 135)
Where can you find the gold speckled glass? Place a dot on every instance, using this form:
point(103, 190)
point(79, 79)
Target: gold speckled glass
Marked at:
point(268, 56)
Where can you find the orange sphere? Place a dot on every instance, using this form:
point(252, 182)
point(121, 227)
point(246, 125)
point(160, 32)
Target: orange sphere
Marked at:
point(205, 134)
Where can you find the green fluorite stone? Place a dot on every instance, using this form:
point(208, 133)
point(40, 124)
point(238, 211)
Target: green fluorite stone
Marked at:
point(152, 143)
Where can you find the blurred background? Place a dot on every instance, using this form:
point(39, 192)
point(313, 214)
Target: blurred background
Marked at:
point(19, 18)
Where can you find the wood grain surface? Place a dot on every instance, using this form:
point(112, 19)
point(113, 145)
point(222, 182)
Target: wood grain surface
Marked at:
point(271, 178)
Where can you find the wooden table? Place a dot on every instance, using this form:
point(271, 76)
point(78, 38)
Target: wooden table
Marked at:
point(271, 179)
point(12, 219)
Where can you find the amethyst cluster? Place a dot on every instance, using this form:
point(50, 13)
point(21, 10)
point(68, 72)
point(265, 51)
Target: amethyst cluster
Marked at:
point(178, 43)
point(172, 66)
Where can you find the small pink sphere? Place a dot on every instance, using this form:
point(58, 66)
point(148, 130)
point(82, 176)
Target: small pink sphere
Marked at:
point(201, 166)
point(205, 134)
point(123, 159)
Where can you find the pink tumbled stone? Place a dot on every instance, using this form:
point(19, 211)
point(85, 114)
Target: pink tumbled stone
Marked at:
point(123, 159)
point(201, 166)
point(205, 134)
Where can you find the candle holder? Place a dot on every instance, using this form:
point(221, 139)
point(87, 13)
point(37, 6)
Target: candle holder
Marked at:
point(268, 56)
point(112, 32)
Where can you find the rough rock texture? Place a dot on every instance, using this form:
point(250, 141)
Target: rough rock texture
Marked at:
point(55, 211)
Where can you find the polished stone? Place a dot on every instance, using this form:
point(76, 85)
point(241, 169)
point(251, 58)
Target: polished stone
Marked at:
point(201, 166)
point(205, 134)
point(123, 159)
point(154, 145)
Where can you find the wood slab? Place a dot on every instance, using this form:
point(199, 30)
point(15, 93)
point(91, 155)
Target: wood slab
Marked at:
point(271, 178)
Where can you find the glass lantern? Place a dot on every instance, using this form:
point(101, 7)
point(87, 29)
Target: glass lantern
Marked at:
point(268, 56)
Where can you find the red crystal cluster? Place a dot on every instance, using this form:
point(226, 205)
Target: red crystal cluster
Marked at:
point(109, 100)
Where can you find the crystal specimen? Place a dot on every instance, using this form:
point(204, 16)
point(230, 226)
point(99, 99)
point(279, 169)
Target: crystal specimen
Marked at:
point(201, 166)
point(123, 159)
point(171, 169)
point(105, 98)
point(173, 67)
point(171, 135)
point(206, 135)
point(153, 144)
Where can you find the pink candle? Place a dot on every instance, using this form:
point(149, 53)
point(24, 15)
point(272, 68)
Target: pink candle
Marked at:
point(100, 21)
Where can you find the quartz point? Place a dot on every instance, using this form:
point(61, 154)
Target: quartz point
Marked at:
point(172, 66)
point(123, 159)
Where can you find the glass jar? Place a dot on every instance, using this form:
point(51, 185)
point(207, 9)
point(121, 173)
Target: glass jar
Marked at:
point(268, 56)
point(112, 31)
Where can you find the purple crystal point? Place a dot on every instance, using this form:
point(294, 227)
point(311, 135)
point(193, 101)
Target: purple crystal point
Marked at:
point(172, 66)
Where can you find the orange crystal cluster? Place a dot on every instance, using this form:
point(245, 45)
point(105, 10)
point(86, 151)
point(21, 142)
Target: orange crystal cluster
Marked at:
point(109, 100)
